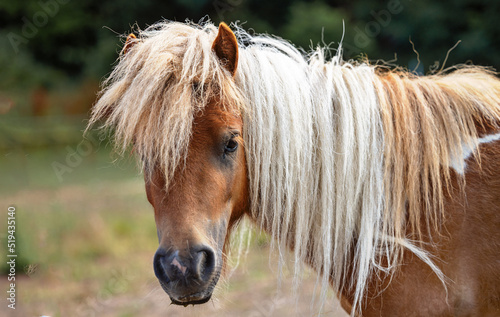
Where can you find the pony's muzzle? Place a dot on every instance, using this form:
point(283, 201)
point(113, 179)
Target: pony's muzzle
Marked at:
point(187, 277)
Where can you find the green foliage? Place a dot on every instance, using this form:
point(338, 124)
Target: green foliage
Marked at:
point(314, 24)
point(78, 40)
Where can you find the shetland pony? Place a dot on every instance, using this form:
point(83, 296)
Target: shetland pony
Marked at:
point(386, 183)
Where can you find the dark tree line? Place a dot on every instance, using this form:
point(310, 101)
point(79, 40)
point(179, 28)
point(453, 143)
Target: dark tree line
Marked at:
point(46, 42)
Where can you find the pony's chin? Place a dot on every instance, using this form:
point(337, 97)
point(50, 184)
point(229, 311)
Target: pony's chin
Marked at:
point(191, 296)
point(191, 300)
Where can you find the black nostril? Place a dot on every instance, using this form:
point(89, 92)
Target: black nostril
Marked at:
point(158, 266)
point(204, 263)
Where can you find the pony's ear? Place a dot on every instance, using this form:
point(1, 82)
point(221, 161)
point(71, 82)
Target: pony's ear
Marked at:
point(225, 47)
point(129, 42)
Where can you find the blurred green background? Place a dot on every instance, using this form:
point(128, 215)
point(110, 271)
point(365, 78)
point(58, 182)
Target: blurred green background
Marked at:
point(54, 53)
point(85, 233)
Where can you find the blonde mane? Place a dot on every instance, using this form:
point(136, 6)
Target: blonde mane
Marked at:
point(344, 160)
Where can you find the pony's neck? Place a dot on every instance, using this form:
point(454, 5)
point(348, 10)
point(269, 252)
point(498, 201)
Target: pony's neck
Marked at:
point(339, 153)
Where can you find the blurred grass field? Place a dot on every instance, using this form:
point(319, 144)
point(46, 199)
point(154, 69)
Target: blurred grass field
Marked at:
point(85, 241)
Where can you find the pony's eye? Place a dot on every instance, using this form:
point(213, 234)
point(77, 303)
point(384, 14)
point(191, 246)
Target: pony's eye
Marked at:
point(230, 146)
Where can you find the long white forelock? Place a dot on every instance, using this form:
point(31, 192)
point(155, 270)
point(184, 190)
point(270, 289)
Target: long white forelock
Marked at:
point(157, 87)
point(314, 142)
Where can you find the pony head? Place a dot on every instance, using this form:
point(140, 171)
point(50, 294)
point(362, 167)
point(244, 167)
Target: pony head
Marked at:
point(205, 197)
point(172, 95)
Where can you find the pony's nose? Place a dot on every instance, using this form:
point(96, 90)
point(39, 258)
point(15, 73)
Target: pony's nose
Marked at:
point(197, 265)
point(204, 263)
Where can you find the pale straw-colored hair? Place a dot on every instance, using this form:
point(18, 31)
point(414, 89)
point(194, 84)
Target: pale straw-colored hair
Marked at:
point(344, 159)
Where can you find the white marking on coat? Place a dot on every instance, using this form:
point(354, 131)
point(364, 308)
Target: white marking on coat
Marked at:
point(459, 164)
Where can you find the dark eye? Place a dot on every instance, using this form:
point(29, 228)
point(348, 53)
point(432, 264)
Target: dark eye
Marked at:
point(230, 146)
